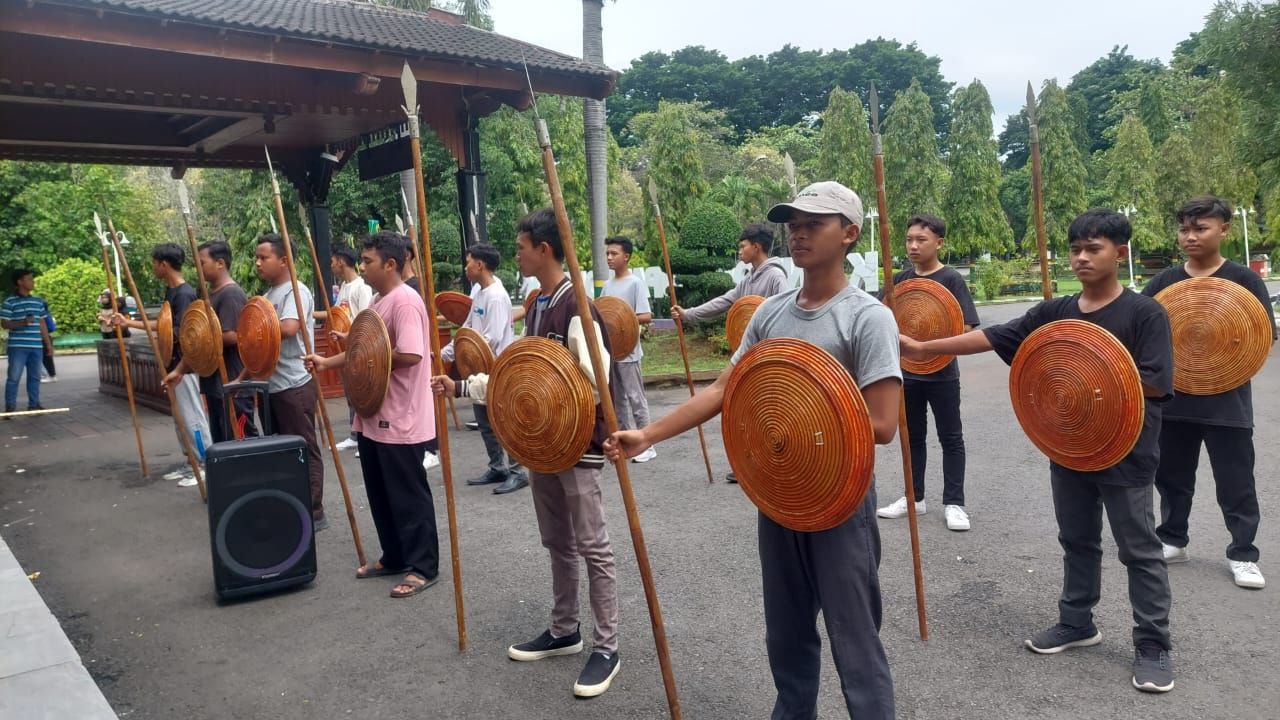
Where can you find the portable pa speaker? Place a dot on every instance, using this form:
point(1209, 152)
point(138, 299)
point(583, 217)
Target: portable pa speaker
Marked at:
point(260, 524)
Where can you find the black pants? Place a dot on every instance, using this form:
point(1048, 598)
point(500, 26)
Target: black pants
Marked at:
point(944, 398)
point(1078, 506)
point(293, 412)
point(401, 504)
point(834, 571)
point(220, 426)
point(1231, 457)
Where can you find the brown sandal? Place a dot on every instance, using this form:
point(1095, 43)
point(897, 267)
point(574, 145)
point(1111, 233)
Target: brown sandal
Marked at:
point(414, 588)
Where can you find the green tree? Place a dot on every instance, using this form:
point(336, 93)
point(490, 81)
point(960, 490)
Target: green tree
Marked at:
point(1153, 110)
point(1131, 181)
point(844, 145)
point(1063, 171)
point(1098, 86)
point(915, 176)
point(1175, 180)
point(673, 141)
point(71, 288)
point(1015, 188)
point(975, 220)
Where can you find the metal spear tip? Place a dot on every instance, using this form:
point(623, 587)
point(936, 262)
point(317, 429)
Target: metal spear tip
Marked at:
point(184, 200)
point(653, 191)
point(399, 224)
point(409, 87)
point(97, 222)
point(874, 102)
point(1031, 103)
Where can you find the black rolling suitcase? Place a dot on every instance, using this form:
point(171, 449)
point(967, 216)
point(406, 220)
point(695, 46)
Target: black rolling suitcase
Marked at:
point(260, 527)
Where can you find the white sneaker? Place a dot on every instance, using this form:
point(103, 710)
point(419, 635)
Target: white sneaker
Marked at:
point(1247, 574)
point(347, 444)
point(187, 481)
point(429, 460)
point(1174, 554)
point(957, 518)
point(645, 456)
point(899, 509)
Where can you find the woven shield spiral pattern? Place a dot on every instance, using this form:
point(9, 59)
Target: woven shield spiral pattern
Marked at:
point(925, 310)
point(367, 372)
point(541, 405)
point(620, 323)
point(201, 337)
point(798, 434)
point(735, 321)
point(1077, 395)
point(454, 306)
point(1221, 334)
point(472, 354)
point(164, 333)
point(339, 320)
point(529, 300)
point(258, 337)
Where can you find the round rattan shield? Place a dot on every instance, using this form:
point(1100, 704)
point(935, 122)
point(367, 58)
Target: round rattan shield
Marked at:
point(454, 306)
point(541, 405)
point(471, 352)
point(258, 337)
point(164, 333)
point(798, 434)
point(926, 310)
point(1221, 334)
point(735, 322)
point(620, 323)
point(367, 372)
point(201, 338)
point(529, 300)
point(339, 320)
point(1077, 395)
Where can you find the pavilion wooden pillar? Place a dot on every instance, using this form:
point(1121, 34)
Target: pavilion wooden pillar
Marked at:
point(312, 175)
point(472, 187)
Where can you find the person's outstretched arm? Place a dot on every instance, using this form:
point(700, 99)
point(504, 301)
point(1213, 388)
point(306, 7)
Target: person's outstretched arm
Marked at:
point(970, 343)
point(691, 413)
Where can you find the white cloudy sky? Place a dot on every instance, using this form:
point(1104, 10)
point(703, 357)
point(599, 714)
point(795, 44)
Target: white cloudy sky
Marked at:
point(1001, 42)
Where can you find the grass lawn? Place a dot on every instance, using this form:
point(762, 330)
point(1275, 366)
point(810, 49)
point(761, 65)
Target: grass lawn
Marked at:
point(662, 353)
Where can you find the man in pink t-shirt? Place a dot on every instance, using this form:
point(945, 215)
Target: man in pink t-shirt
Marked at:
point(393, 441)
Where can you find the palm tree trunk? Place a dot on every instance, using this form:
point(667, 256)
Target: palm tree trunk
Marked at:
point(594, 137)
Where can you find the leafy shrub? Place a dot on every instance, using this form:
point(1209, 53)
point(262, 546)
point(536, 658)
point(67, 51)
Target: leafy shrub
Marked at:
point(990, 276)
point(700, 288)
point(685, 261)
point(711, 227)
point(71, 288)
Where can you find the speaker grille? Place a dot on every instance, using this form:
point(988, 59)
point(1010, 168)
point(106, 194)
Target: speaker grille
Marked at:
point(263, 533)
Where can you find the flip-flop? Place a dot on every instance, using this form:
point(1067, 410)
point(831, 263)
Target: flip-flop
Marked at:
point(374, 572)
point(415, 587)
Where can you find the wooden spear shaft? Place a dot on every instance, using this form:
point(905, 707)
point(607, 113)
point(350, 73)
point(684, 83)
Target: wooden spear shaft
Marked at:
point(671, 293)
point(610, 418)
point(426, 286)
point(183, 438)
point(315, 375)
point(124, 362)
point(1037, 194)
point(904, 443)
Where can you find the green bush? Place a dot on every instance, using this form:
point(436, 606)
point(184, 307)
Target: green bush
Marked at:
point(685, 261)
point(711, 227)
point(990, 276)
point(71, 288)
point(700, 288)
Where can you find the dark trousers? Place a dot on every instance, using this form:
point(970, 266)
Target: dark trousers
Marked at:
point(1231, 457)
point(293, 412)
point(834, 571)
point(401, 504)
point(499, 462)
point(1078, 506)
point(944, 399)
point(220, 426)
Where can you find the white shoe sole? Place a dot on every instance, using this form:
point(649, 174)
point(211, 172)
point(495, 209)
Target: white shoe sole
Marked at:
point(526, 656)
point(1087, 642)
point(889, 515)
point(1181, 558)
point(583, 691)
point(642, 458)
point(957, 527)
point(1152, 687)
point(1250, 584)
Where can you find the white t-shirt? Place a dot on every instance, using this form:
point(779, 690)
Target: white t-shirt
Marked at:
point(355, 295)
point(490, 316)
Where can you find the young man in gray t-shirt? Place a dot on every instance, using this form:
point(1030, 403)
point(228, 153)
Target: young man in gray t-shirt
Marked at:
point(835, 570)
point(627, 383)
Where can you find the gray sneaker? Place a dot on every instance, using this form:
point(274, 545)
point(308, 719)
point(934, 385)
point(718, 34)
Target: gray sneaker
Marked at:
point(1062, 637)
point(1152, 668)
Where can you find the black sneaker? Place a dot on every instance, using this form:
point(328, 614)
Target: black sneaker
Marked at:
point(731, 479)
point(1062, 637)
point(472, 425)
point(10, 408)
point(599, 672)
point(320, 523)
point(488, 478)
point(546, 645)
point(1152, 668)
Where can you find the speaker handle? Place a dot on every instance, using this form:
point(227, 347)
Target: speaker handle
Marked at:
point(254, 387)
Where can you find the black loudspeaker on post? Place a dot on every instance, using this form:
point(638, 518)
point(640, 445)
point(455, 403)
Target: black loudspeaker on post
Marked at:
point(260, 523)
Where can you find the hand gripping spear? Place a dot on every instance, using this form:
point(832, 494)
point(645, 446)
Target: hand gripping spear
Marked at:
point(307, 347)
point(183, 438)
point(671, 294)
point(124, 357)
point(606, 404)
point(426, 286)
point(882, 205)
point(1037, 193)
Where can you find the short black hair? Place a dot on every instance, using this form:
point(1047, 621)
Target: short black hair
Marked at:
point(1100, 223)
point(276, 243)
point(170, 254)
point(410, 248)
point(23, 272)
point(759, 233)
point(346, 254)
point(388, 245)
point(932, 223)
point(541, 228)
point(487, 254)
point(1205, 206)
point(622, 242)
point(217, 250)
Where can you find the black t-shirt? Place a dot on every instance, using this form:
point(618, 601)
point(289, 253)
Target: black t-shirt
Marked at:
point(179, 299)
point(227, 302)
point(1141, 325)
point(1233, 408)
point(953, 281)
point(414, 283)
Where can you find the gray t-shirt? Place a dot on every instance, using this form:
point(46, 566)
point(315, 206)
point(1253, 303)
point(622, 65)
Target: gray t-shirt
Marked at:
point(636, 294)
point(290, 372)
point(857, 329)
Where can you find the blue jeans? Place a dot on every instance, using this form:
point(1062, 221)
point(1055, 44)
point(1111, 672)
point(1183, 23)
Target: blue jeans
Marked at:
point(20, 359)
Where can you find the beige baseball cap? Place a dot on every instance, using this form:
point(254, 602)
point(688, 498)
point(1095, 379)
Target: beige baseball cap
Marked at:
point(821, 198)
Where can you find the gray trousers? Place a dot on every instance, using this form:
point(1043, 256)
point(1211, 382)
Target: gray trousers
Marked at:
point(499, 461)
point(190, 406)
point(834, 571)
point(627, 385)
point(570, 514)
point(1078, 506)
